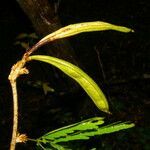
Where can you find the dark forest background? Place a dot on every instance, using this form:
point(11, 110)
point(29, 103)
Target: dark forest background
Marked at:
point(118, 62)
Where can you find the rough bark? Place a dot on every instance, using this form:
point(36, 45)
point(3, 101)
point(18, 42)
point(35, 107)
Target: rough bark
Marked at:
point(45, 20)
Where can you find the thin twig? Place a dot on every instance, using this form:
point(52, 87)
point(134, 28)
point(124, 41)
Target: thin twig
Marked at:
point(100, 64)
point(102, 69)
point(17, 70)
point(15, 118)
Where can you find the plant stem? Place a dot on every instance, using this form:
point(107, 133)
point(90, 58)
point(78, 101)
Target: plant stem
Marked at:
point(17, 70)
point(15, 118)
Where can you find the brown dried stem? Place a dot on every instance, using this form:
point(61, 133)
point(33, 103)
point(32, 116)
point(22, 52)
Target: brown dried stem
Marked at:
point(15, 118)
point(17, 70)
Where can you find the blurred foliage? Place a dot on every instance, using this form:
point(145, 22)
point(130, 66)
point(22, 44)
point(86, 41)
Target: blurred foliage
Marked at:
point(25, 40)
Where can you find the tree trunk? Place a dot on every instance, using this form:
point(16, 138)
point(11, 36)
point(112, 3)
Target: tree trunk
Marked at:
point(45, 20)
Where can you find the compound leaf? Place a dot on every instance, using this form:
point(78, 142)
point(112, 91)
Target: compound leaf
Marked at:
point(81, 131)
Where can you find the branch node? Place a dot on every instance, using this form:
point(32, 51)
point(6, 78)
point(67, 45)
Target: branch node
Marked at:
point(21, 138)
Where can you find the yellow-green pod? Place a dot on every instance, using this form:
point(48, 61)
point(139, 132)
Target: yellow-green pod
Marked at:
point(86, 82)
point(77, 28)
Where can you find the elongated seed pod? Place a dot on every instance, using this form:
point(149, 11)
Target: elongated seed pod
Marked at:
point(86, 82)
point(77, 28)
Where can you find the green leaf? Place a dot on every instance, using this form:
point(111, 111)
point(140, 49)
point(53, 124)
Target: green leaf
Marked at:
point(74, 29)
point(99, 131)
point(80, 126)
point(58, 147)
point(79, 76)
point(81, 131)
point(22, 36)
